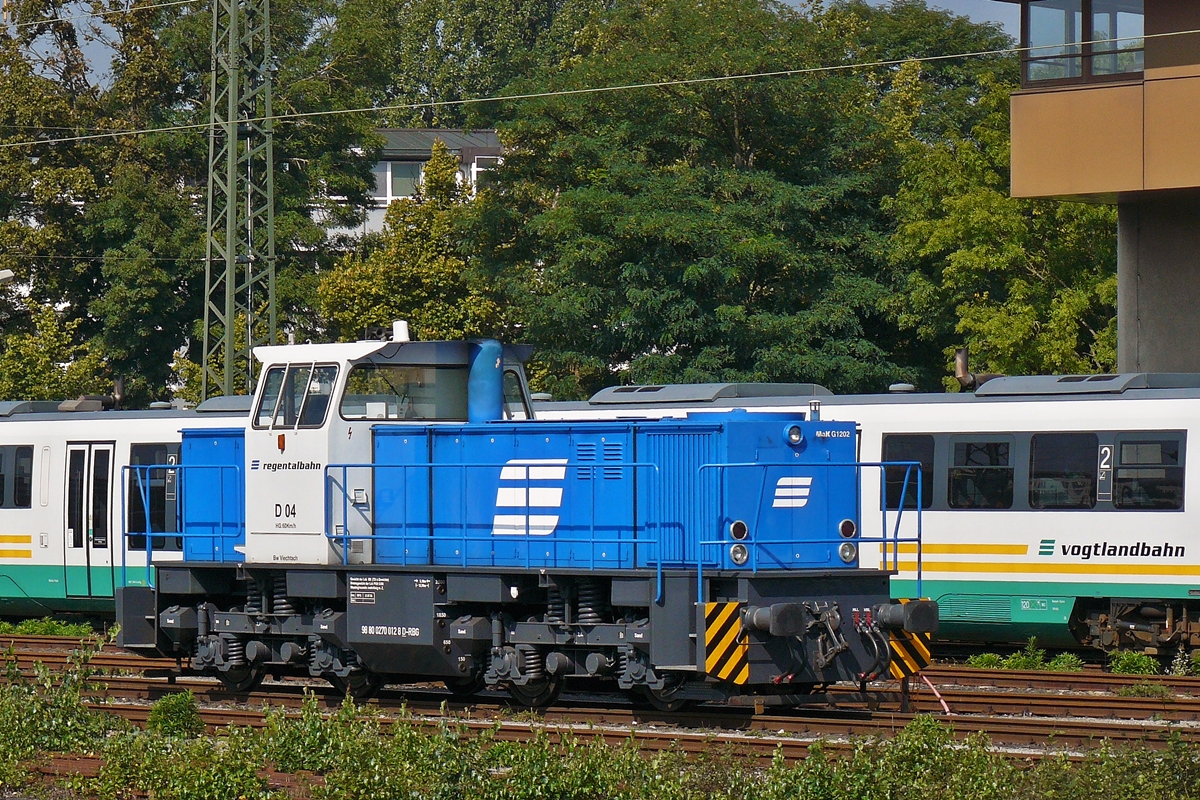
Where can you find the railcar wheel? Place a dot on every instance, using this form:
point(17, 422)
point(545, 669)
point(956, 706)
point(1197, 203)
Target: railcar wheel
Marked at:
point(242, 679)
point(360, 684)
point(538, 693)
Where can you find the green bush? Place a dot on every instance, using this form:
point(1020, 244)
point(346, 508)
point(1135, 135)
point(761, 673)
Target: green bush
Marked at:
point(985, 661)
point(176, 715)
point(1065, 662)
point(1131, 662)
point(49, 713)
point(1031, 657)
point(46, 626)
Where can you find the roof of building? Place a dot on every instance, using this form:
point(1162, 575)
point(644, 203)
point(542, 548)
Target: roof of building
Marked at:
point(417, 143)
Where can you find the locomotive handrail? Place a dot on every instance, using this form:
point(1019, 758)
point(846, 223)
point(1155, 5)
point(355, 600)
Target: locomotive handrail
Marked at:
point(345, 536)
point(143, 484)
point(884, 539)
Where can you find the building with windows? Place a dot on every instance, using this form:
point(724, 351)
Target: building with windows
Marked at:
point(1109, 112)
point(405, 151)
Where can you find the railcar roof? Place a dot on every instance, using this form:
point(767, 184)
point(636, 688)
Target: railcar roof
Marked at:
point(1059, 388)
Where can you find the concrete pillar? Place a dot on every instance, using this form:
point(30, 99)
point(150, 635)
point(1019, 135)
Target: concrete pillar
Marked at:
point(1158, 285)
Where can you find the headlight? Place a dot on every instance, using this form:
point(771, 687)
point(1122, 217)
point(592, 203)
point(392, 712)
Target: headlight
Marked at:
point(738, 530)
point(794, 435)
point(739, 554)
point(848, 552)
point(847, 528)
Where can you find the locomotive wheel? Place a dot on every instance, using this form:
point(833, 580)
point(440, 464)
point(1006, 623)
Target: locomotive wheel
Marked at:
point(361, 684)
point(242, 679)
point(464, 687)
point(664, 699)
point(538, 694)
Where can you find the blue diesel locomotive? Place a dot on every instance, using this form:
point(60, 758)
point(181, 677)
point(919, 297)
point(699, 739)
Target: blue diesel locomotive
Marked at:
point(392, 512)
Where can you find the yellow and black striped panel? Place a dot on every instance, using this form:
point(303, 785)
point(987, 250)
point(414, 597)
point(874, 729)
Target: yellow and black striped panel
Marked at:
point(726, 645)
point(910, 653)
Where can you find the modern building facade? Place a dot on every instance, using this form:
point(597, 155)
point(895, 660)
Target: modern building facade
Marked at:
point(1109, 112)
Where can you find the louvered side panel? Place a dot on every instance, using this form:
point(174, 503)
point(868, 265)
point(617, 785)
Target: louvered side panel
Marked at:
point(680, 503)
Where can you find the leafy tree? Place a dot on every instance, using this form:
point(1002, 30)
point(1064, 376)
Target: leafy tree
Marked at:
point(47, 364)
point(708, 232)
point(433, 53)
point(1029, 286)
point(417, 273)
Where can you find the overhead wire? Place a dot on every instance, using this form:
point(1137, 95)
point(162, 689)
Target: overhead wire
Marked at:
point(594, 90)
point(130, 10)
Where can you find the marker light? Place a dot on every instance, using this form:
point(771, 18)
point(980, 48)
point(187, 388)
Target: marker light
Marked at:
point(794, 435)
point(739, 554)
point(847, 528)
point(847, 552)
point(738, 530)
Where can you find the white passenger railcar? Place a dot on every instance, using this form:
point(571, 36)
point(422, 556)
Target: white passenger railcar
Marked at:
point(1056, 507)
point(63, 484)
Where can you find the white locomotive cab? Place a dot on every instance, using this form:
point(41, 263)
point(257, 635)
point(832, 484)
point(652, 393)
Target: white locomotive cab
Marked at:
point(295, 433)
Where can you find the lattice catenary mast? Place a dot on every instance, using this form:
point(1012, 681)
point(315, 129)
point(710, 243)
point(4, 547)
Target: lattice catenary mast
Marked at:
point(239, 273)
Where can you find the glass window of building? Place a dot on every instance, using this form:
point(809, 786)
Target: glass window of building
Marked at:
point(379, 173)
point(1117, 31)
point(1054, 36)
point(405, 177)
point(1081, 40)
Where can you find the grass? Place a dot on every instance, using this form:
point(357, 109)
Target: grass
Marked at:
point(357, 754)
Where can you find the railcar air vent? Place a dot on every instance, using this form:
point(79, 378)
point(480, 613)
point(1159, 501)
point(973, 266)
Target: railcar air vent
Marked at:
point(613, 451)
point(585, 453)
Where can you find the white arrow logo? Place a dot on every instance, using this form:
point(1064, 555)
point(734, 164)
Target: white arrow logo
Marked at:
point(521, 492)
point(792, 492)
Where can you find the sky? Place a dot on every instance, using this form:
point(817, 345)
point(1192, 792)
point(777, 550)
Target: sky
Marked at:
point(1007, 14)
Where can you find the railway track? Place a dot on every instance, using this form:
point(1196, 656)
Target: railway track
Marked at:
point(1020, 710)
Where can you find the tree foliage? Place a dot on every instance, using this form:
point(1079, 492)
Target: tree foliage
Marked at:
point(1029, 286)
point(714, 231)
point(417, 273)
point(849, 226)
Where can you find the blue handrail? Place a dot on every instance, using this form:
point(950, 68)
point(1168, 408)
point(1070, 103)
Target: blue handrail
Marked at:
point(226, 528)
point(753, 546)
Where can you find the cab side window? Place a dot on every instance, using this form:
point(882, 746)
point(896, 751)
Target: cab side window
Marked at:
point(515, 402)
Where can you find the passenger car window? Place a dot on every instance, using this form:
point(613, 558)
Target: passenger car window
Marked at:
point(1062, 470)
point(16, 476)
point(902, 447)
point(157, 487)
point(399, 391)
point(1149, 475)
point(981, 475)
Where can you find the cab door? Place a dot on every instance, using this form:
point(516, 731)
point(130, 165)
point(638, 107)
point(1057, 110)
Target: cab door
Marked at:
point(88, 528)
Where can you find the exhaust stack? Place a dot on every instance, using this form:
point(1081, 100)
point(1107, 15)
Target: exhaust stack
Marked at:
point(968, 380)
